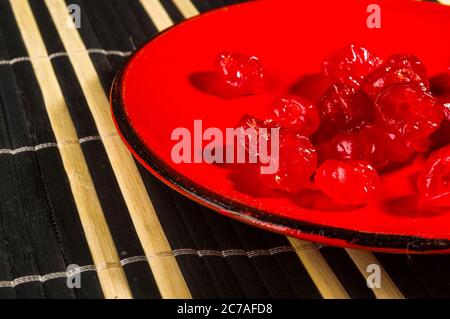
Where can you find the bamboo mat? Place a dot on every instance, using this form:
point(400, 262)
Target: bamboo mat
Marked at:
point(70, 193)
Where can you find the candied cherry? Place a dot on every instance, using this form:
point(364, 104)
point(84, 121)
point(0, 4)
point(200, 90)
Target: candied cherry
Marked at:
point(441, 136)
point(350, 65)
point(347, 182)
point(446, 104)
point(344, 147)
point(297, 163)
point(434, 181)
point(297, 114)
point(342, 108)
point(245, 74)
point(408, 112)
point(398, 68)
point(250, 122)
point(370, 145)
point(408, 61)
point(398, 148)
point(377, 142)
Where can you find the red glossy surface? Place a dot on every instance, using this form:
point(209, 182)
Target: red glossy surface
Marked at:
point(348, 182)
point(162, 90)
point(434, 181)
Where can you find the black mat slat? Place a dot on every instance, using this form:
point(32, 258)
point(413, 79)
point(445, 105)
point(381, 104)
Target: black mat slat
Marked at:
point(147, 25)
point(241, 266)
point(299, 281)
point(266, 267)
point(172, 11)
point(432, 271)
point(136, 32)
point(201, 5)
point(399, 268)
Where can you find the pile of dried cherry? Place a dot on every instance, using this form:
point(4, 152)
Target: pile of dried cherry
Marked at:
point(376, 114)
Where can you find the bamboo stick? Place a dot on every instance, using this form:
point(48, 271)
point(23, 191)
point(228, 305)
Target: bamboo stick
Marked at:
point(320, 272)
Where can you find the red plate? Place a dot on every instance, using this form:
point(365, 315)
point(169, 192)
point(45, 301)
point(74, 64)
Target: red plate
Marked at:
point(155, 93)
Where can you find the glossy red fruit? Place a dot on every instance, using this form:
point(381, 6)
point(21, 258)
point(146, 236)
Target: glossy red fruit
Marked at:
point(369, 145)
point(297, 163)
point(245, 74)
point(398, 68)
point(350, 65)
point(344, 147)
point(377, 142)
point(408, 112)
point(446, 104)
point(343, 109)
point(398, 148)
point(421, 145)
point(401, 149)
point(347, 182)
point(297, 114)
point(434, 181)
point(444, 100)
point(262, 129)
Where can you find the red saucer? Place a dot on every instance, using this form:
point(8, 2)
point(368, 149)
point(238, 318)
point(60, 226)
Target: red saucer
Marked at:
point(158, 91)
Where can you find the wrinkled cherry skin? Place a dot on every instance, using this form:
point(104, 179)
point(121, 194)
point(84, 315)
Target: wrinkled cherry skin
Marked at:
point(398, 148)
point(343, 109)
point(343, 147)
point(407, 61)
point(245, 74)
point(297, 163)
point(248, 121)
point(297, 114)
point(434, 181)
point(347, 182)
point(370, 145)
point(446, 105)
point(441, 136)
point(408, 112)
point(377, 142)
point(350, 65)
point(398, 68)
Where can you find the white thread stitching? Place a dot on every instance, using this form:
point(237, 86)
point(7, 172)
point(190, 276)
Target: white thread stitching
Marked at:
point(48, 145)
point(65, 54)
point(177, 252)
